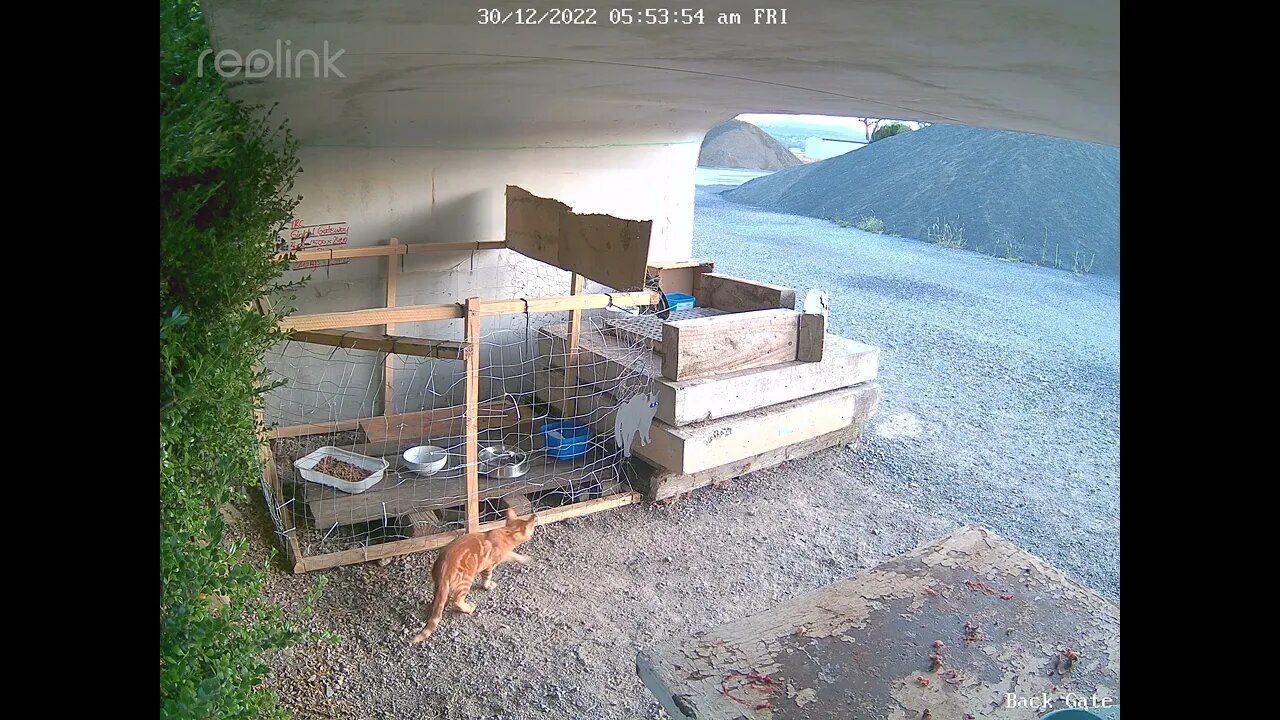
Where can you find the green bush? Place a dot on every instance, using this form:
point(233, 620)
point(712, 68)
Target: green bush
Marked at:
point(225, 180)
point(889, 130)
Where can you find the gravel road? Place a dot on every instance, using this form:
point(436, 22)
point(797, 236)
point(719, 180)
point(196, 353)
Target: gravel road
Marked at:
point(1001, 406)
point(1001, 380)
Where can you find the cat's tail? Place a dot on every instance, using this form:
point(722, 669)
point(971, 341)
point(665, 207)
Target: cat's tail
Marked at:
point(437, 606)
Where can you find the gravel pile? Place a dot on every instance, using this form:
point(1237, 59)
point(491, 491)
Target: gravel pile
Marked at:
point(1046, 201)
point(737, 144)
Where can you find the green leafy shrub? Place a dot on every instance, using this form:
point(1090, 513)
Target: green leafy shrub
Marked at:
point(889, 130)
point(225, 180)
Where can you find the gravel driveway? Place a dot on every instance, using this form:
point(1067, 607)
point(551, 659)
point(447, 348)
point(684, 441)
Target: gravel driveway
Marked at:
point(1001, 380)
point(1001, 406)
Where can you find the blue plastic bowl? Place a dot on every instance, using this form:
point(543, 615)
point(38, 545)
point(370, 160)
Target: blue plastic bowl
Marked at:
point(679, 301)
point(565, 439)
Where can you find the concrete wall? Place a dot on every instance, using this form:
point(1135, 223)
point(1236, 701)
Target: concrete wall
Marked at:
point(423, 195)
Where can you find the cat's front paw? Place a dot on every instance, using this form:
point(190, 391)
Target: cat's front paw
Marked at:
point(490, 584)
point(522, 559)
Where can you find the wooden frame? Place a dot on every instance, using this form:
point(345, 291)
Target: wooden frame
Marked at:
point(332, 329)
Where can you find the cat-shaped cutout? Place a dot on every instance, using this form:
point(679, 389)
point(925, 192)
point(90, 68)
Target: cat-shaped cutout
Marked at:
point(817, 302)
point(476, 553)
point(634, 416)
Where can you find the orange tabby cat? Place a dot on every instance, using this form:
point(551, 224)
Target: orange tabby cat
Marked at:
point(474, 553)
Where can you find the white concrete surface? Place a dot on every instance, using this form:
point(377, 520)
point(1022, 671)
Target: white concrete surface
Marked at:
point(428, 113)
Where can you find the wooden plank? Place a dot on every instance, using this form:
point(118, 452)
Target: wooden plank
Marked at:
point(682, 276)
point(813, 335)
point(348, 253)
point(432, 542)
point(660, 483)
point(707, 346)
point(738, 295)
point(422, 523)
point(373, 316)
point(533, 225)
point(518, 502)
point(576, 285)
point(454, 311)
point(609, 250)
point(860, 647)
point(658, 265)
point(719, 442)
point(325, 428)
point(292, 553)
point(573, 302)
point(417, 248)
point(702, 446)
point(389, 364)
point(473, 414)
point(394, 344)
point(438, 421)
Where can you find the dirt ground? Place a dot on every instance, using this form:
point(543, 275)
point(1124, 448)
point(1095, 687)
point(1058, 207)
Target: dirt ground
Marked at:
point(558, 637)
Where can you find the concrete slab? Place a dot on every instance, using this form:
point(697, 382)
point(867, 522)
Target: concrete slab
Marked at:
point(862, 648)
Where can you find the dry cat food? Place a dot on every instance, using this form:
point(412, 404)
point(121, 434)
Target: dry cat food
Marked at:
point(345, 471)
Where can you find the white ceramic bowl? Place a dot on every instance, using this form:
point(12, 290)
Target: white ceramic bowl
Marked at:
point(426, 459)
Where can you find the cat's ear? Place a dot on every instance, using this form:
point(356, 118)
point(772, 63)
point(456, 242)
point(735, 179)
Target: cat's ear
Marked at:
point(511, 515)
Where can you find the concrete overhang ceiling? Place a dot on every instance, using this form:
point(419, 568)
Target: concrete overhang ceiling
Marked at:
point(429, 75)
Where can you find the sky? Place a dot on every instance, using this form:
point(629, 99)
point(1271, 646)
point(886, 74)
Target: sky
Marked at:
point(832, 120)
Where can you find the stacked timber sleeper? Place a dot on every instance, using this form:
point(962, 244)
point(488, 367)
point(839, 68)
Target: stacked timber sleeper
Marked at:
point(743, 382)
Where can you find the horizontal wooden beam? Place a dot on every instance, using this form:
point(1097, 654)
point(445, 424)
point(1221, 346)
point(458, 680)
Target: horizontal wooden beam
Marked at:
point(393, 344)
point(324, 428)
point(372, 316)
point(568, 302)
point(432, 542)
point(663, 483)
point(347, 253)
point(453, 311)
point(676, 264)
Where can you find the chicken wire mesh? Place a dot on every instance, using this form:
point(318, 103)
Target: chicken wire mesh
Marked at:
point(374, 442)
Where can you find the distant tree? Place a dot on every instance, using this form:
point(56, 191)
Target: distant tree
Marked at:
point(889, 130)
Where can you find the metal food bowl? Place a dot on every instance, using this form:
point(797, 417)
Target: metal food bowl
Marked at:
point(502, 461)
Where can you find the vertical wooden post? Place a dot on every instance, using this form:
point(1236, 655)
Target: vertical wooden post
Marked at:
point(473, 414)
point(292, 552)
point(389, 371)
point(576, 286)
